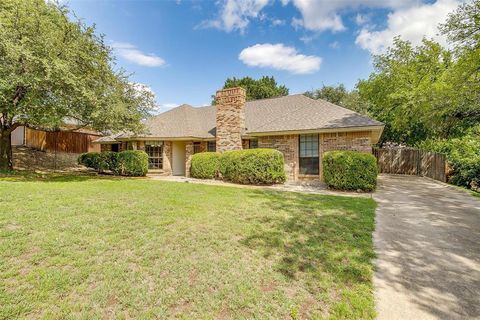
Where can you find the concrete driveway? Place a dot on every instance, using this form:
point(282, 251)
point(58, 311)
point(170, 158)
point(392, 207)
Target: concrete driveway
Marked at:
point(428, 243)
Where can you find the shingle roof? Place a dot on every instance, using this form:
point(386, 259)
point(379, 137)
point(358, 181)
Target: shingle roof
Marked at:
point(288, 113)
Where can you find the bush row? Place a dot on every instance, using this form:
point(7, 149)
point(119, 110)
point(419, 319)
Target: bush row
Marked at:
point(251, 166)
point(125, 163)
point(463, 155)
point(350, 170)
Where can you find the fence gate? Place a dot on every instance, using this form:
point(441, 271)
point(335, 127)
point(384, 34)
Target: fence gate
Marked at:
point(412, 161)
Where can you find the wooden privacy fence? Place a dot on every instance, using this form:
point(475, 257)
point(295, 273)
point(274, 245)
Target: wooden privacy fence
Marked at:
point(412, 161)
point(60, 141)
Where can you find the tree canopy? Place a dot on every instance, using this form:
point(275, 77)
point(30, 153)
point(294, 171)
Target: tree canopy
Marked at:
point(265, 87)
point(429, 92)
point(53, 68)
point(339, 95)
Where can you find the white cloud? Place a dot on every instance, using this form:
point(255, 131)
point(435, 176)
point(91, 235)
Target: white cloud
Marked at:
point(361, 19)
point(334, 45)
point(236, 14)
point(326, 15)
point(131, 53)
point(411, 24)
point(306, 39)
point(280, 57)
point(278, 22)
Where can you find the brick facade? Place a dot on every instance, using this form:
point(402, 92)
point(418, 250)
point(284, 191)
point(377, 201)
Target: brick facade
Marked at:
point(230, 118)
point(167, 158)
point(188, 157)
point(288, 145)
point(354, 141)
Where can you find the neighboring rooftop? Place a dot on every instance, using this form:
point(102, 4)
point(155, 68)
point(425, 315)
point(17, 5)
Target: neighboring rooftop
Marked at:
point(287, 113)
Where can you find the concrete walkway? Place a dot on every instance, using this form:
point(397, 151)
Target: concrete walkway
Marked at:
point(428, 243)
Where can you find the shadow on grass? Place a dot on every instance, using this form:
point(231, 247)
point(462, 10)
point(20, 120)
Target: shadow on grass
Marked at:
point(32, 176)
point(324, 238)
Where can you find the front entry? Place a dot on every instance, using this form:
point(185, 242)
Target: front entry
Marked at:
point(178, 158)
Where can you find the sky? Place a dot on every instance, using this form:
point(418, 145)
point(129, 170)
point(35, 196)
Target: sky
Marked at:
point(184, 50)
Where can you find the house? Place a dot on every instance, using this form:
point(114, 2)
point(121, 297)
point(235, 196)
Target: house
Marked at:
point(300, 127)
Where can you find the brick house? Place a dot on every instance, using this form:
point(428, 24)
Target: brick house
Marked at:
point(300, 127)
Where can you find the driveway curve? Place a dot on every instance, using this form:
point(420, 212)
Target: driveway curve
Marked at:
point(427, 240)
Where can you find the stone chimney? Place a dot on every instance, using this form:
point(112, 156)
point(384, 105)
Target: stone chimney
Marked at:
point(230, 118)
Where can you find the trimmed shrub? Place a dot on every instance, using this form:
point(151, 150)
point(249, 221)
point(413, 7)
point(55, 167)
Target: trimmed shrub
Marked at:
point(205, 165)
point(100, 161)
point(132, 163)
point(125, 163)
point(89, 159)
point(350, 170)
point(253, 166)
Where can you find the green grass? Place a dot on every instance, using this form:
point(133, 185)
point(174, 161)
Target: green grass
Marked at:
point(88, 248)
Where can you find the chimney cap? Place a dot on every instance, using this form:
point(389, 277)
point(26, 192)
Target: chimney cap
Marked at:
point(231, 92)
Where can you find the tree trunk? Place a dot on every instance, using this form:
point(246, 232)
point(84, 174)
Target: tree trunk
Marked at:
point(6, 162)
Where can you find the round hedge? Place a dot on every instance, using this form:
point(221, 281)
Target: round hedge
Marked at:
point(125, 163)
point(205, 165)
point(132, 163)
point(253, 166)
point(350, 170)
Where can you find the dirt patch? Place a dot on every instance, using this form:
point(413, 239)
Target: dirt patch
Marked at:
point(25, 158)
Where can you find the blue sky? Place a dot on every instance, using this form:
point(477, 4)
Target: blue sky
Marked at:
point(184, 50)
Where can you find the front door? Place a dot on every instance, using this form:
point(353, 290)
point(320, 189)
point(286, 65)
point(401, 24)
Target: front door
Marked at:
point(178, 158)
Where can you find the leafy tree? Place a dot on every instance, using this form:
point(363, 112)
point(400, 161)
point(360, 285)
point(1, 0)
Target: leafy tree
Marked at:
point(462, 29)
point(333, 94)
point(53, 68)
point(265, 87)
point(429, 92)
point(463, 26)
point(339, 95)
point(411, 91)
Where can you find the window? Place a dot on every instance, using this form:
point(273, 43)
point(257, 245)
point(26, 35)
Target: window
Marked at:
point(212, 146)
point(309, 160)
point(253, 144)
point(197, 147)
point(115, 147)
point(154, 149)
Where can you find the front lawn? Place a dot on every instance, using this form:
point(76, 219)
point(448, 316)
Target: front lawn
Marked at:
point(83, 247)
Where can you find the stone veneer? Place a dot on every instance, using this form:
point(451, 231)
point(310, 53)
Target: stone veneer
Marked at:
point(167, 158)
point(230, 118)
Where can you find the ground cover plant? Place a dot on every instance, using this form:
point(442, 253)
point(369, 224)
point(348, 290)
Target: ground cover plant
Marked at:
point(114, 247)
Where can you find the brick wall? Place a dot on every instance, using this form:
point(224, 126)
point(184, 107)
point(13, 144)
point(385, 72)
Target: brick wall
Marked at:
point(167, 158)
point(288, 145)
point(230, 118)
point(188, 157)
point(354, 141)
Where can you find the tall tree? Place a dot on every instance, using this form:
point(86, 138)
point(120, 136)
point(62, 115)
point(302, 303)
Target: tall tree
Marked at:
point(462, 29)
point(333, 94)
point(412, 92)
point(341, 96)
point(53, 68)
point(265, 87)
